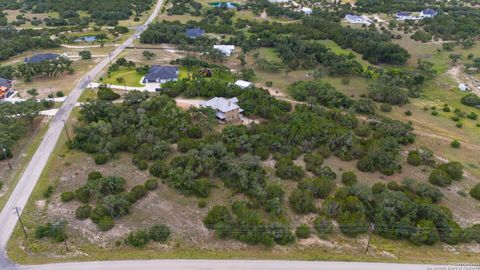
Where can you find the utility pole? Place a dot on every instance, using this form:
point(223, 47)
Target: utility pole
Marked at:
point(6, 158)
point(17, 211)
point(372, 229)
point(66, 130)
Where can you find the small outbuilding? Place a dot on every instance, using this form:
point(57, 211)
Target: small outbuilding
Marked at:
point(306, 10)
point(243, 84)
point(463, 87)
point(225, 49)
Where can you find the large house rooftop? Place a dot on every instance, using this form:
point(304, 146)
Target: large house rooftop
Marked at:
point(160, 74)
point(5, 83)
point(194, 32)
point(41, 57)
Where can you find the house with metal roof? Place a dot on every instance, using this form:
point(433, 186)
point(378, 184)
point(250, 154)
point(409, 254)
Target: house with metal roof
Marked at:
point(243, 84)
point(355, 19)
point(41, 58)
point(194, 32)
point(5, 88)
point(225, 109)
point(161, 74)
point(428, 13)
point(402, 16)
point(228, 5)
point(225, 49)
point(306, 10)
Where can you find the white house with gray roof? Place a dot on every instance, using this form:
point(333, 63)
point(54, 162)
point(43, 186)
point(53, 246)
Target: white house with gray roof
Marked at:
point(225, 109)
point(355, 19)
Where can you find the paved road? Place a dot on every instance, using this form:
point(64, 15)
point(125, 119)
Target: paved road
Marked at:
point(229, 265)
point(30, 176)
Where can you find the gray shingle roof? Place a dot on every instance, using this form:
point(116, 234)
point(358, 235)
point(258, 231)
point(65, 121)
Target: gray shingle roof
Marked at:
point(194, 32)
point(5, 83)
point(41, 57)
point(157, 72)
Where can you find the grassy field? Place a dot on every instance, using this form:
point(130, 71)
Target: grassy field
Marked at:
point(131, 76)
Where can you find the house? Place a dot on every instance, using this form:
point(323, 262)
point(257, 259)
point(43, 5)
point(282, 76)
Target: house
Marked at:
point(161, 74)
point(428, 13)
point(225, 109)
point(225, 49)
point(228, 5)
point(194, 32)
point(463, 87)
point(278, 1)
point(402, 16)
point(5, 88)
point(307, 11)
point(355, 19)
point(243, 84)
point(41, 58)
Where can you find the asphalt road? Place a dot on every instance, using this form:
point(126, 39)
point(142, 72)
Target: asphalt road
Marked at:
point(231, 265)
point(31, 175)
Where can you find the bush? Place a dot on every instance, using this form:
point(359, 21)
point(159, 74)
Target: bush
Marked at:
point(408, 113)
point(302, 201)
point(323, 226)
point(286, 169)
point(475, 192)
point(202, 204)
point(151, 184)
point(107, 94)
point(159, 233)
point(105, 223)
point(313, 161)
point(159, 169)
point(67, 196)
point(194, 132)
point(414, 158)
point(83, 194)
point(440, 178)
point(201, 187)
point(101, 158)
point(378, 188)
point(60, 94)
point(83, 211)
point(142, 165)
point(48, 192)
point(303, 231)
point(434, 113)
point(138, 239)
point(94, 175)
point(349, 178)
point(385, 107)
point(320, 187)
point(454, 169)
point(393, 186)
point(455, 144)
point(185, 144)
point(138, 192)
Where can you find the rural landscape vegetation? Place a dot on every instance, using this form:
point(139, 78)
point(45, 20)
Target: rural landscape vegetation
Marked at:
point(250, 129)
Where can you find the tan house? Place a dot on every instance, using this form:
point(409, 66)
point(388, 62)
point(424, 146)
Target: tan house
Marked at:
point(225, 109)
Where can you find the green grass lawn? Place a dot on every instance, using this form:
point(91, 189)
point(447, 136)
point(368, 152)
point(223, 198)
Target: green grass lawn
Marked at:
point(131, 76)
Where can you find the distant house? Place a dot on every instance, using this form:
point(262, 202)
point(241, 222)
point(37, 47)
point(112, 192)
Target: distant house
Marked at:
point(41, 58)
point(428, 13)
point(306, 10)
point(355, 19)
point(5, 88)
point(161, 74)
point(228, 5)
point(243, 84)
point(278, 1)
point(402, 16)
point(225, 109)
point(463, 87)
point(194, 32)
point(225, 49)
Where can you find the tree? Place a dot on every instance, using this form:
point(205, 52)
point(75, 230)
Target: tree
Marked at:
point(148, 55)
point(475, 192)
point(320, 187)
point(349, 178)
point(454, 57)
point(32, 92)
point(302, 201)
point(85, 55)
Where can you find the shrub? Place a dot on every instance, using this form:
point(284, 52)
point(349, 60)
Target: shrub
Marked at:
point(151, 184)
point(414, 158)
point(159, 233)
point(320, 187)
point(105, 223)
point(83, 211)
point(323, 226)
point(349, 178)
point(302, 201)
point(286, 169)
point(94, 175)
point(48, 192)
point(185, 144)
point(313, 161)
point(393, 186)
point(434, 113)
point(138, 238)
point(408, 113)
point(303, 231)
point(455, 144)
point(142, 165)
point(453, 168)
point(384, 107)
point(67, 196)
point(269, 84)
point(107, 94)
point(159, 169)
point(60, 94)
point(202, 204)
point(459, 125)
point(138, 192)
point(194, 132)
point(83, 194)
point(440, 178)
point(475, 192)
point(101, 158)
point(218, 214)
